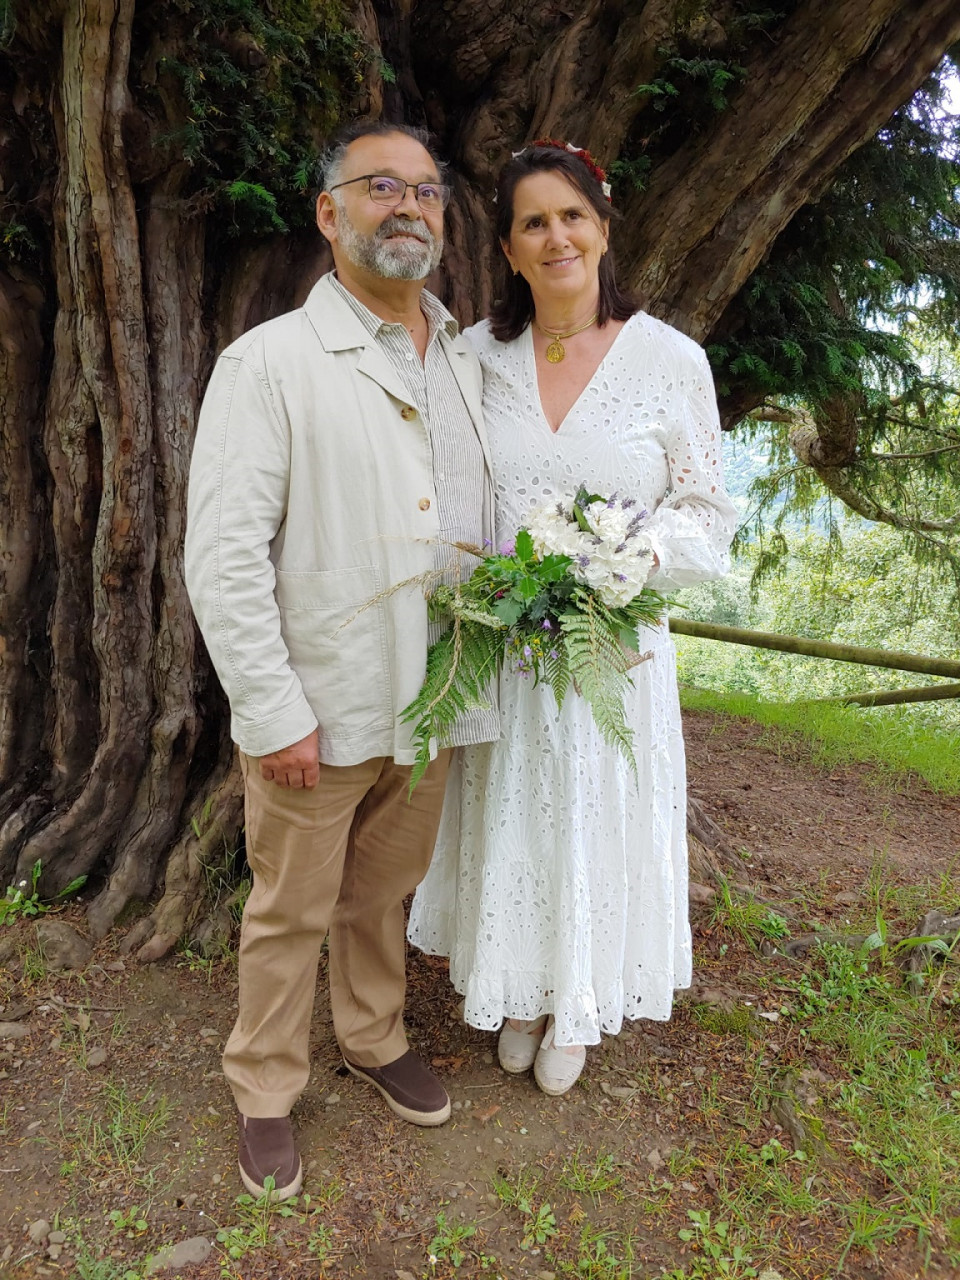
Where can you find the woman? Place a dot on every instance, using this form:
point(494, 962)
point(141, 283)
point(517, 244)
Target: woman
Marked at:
point(559, 885)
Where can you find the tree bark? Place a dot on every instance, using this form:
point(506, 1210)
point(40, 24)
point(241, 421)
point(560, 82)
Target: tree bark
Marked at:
point(712, 212)
point(103, 263)
point(21, 356)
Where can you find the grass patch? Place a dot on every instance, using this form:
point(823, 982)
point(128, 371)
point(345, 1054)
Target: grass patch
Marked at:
point(879, 1150)
point(115, 1139)
point(885, 737)
point(750, 920)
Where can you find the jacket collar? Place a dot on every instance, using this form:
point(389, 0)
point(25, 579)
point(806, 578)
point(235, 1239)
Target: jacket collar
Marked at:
point(328, 309)
point(340, 328)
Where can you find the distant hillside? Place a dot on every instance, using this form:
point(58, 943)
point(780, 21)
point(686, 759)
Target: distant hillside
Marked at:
point(745, 461)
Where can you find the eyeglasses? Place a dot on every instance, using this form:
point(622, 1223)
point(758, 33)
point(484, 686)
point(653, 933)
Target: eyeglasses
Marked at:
point(432, 196)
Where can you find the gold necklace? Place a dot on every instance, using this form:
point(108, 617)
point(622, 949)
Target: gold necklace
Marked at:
point(556, 350)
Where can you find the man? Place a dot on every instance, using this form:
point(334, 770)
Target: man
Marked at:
point(339, 452)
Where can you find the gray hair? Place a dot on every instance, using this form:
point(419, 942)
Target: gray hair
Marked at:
point(330, 166)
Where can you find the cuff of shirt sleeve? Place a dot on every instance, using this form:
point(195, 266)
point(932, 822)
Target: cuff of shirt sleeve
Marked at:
point(288, 726)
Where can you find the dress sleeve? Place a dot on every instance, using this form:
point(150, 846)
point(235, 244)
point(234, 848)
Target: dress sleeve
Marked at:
point(692, 528)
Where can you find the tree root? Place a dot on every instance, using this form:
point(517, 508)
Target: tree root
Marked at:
point(198, 848)
point(934, 927)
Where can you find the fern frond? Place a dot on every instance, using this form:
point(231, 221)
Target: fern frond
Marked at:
point(556, 671)
point(597, 665)
point(460, 666)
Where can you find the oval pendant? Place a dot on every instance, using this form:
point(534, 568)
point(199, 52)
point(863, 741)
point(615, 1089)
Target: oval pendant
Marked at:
point(556, 351)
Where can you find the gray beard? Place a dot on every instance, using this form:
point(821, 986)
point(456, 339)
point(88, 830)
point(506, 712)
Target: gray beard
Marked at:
point(393, 261)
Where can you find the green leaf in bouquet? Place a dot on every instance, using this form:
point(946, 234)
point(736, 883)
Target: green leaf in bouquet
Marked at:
point(508, 610)
point(527, 588)
point(540, 607)
point(524, 546)
point(581, 500)
point(553, 568)
point(645, 610)
point(477, 611)
point(629, 638)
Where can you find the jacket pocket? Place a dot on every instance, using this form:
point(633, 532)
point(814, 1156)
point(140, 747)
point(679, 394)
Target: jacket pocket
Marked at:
point(337, 640)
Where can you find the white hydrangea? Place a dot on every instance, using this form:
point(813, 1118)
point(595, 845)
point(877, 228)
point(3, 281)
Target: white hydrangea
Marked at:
point(614, 559)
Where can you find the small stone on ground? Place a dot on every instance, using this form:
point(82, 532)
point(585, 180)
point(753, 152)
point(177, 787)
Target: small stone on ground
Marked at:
point(63, 947)
point(172, 1256)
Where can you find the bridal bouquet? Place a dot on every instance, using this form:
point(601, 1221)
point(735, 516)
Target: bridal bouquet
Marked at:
point(561, 604)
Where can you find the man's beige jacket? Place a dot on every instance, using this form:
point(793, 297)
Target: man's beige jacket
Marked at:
point(311, 498)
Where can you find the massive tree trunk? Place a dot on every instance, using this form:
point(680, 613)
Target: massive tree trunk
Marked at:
point(112, 731)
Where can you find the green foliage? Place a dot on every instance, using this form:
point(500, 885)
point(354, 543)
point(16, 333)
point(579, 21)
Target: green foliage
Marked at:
point(857, 302)
point(447, 1244)
point(897, 1100)
point(630, 174)
point(751, 920)
point(826, 315)
point(708, 81)
point(23, 899)
point(595, 659)
point(528, 608)
point(720, 1254)
point(460, 666)
point(257, 203)
point(130, 1222)
point(694, 80)
point(590, 1176)
point(17, 241)
point(118, 1133)
point(251, 89)
point(863, 588)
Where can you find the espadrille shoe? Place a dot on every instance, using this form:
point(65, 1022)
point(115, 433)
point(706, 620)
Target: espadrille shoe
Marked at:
point(556, 1070)
point(518, 1049)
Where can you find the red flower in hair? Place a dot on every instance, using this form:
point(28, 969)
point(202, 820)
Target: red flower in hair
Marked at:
point(585, 156)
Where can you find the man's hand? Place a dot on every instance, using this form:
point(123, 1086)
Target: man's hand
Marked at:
point(295, 766)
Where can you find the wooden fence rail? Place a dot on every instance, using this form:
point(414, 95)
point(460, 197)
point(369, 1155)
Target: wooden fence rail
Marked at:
point(818, 648)
point(838, 653)
point(891, 697)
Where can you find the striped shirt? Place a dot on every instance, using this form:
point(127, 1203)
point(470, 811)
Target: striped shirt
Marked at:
point(458, 466)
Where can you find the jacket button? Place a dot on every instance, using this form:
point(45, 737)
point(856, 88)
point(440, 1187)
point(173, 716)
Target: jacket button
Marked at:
point(408, 412)
point(424, 504)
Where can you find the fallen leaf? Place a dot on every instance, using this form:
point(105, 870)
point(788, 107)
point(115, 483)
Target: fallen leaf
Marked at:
point(617, 1090)
point(452, 1062)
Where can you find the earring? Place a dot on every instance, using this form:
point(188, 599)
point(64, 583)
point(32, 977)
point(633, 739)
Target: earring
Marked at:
point(516, 271)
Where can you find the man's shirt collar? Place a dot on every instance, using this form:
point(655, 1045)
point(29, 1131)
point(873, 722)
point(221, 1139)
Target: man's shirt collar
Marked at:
point(438, 317)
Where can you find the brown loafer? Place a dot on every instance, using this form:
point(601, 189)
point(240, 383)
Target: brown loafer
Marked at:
point(410, 1089)
point(267, 1150)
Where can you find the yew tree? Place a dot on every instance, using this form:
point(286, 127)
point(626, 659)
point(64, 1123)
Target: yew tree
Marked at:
point(783, 170)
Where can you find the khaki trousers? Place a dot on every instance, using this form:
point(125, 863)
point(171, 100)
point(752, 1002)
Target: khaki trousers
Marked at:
point(338, 858)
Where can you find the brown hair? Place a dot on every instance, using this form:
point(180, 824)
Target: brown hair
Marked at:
point(514, 309)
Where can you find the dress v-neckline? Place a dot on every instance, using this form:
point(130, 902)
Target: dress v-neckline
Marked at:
point(531, 356)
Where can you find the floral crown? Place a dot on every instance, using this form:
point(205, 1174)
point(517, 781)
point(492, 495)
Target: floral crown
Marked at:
point(598, 173)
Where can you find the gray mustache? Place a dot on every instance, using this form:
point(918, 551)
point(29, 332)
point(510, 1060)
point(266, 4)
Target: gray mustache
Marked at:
point(393, 225)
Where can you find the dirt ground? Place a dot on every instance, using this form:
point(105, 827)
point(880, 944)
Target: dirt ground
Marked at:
point(118, 1036)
